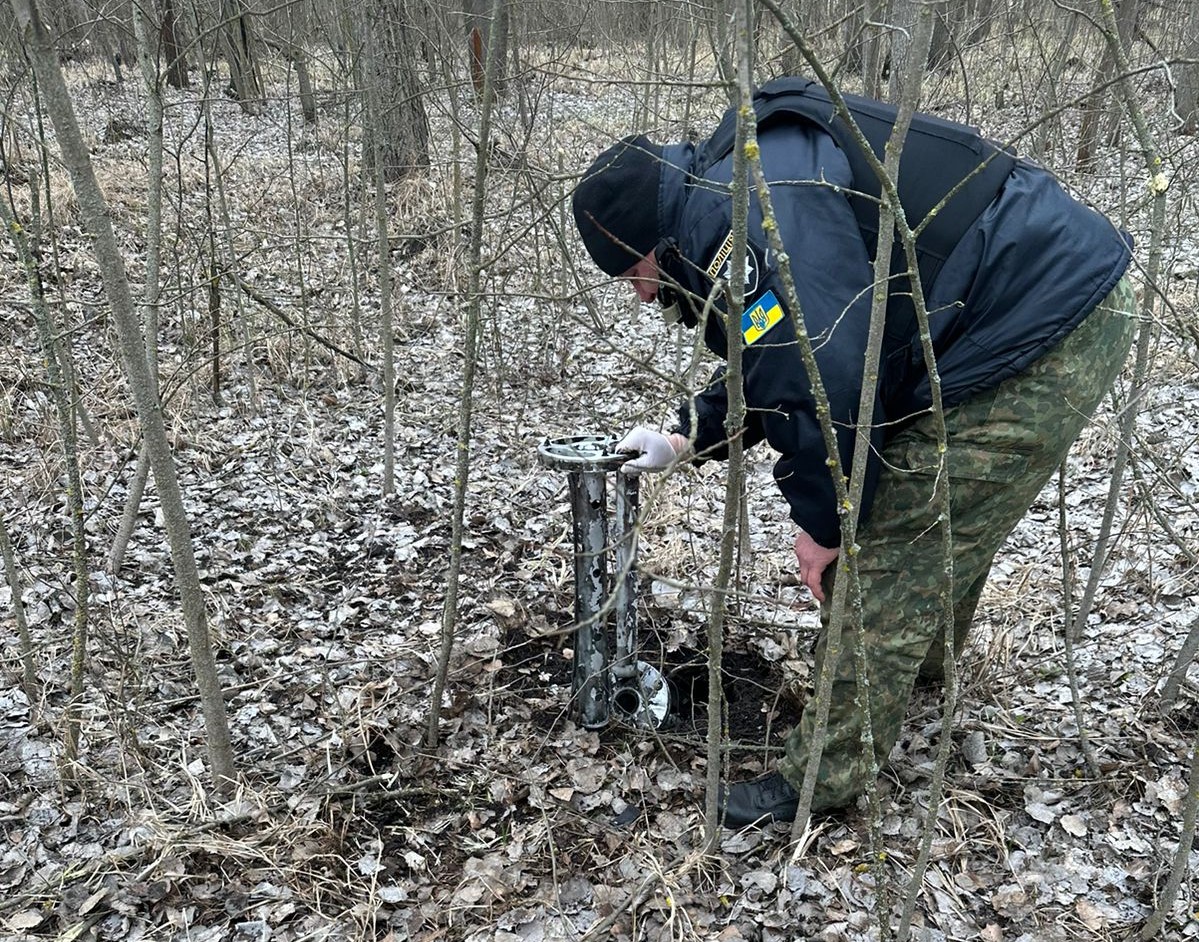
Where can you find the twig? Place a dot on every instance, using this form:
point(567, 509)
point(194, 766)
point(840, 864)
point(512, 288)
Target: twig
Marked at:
point(28, 670)
point(1084, 739)
point(636, 898)
point(1186, 655)
point(282, 315)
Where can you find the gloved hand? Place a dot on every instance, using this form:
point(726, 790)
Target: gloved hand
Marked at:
point(656, 452)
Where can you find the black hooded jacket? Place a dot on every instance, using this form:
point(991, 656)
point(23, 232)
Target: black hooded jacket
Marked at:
point(1025, 274)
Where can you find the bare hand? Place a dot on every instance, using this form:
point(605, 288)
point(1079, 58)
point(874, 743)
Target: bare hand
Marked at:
point(813, 559)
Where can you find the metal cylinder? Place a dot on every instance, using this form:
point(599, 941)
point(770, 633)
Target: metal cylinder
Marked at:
point(635, 691)
point(624, 663)
point(588, 499)
point(640, 695)
point(628, 703)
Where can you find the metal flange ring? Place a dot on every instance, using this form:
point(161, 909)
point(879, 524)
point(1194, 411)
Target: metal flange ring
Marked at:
point(583, 453)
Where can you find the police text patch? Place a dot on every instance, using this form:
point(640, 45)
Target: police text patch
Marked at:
point(721, 256)
point(721, 265)
point(760, 316)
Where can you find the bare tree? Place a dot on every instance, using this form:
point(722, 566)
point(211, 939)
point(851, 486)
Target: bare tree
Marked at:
point(170, 44)
point(95, 214)
point(238, 38)
point(399, 123)
point(385, 324)
point(872, 47)
point(1186, 92)
point(1182, 663)
point(1182, 855)
point(1088, 132)
point(903, 23)
point(1051, 81)
point(291, 46)
point(474, 300)
point(299, 61)
point(61, 389)
point(154, 112)
point(215, 174)
point(478, 20)
point(733, 424)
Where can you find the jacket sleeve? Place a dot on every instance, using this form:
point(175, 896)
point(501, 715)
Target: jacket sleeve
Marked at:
point(832, 275)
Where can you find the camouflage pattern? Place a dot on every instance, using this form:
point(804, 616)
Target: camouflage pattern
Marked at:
point(1003, 446)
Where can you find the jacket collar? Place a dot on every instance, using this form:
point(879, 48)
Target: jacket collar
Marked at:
point(677, 161)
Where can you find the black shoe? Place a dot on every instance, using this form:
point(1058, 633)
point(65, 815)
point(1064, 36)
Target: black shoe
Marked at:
point(770, 798)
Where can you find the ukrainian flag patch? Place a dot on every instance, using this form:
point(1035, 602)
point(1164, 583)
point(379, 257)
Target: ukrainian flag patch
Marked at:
point(760, 316)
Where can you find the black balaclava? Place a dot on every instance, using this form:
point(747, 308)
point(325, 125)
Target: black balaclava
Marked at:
point(617, 202)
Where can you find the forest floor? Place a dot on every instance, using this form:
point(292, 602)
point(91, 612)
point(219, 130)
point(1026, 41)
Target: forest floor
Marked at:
point(325, 600)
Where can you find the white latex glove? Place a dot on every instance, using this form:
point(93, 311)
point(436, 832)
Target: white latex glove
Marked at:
point(656, 452)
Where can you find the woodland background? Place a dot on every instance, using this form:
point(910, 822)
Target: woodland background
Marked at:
point(283, 320)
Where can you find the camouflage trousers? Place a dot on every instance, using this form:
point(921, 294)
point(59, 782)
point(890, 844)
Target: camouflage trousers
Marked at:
point(1004, 444)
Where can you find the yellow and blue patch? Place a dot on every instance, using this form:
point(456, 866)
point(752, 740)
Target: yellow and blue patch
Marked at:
point(760, 317)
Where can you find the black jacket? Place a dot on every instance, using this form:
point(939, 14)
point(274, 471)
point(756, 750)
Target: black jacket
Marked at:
point(1024, 275)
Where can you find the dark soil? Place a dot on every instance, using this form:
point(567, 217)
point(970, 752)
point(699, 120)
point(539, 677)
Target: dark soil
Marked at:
point(756, 703)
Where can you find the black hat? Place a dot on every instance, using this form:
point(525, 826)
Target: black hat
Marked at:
point(617, 202)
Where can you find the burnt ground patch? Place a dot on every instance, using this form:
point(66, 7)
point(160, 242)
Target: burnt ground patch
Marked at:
point(759, 707)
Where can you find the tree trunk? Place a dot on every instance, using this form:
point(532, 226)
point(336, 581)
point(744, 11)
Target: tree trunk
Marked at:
point(1127, 16)
point(1182, 854)
point(872, 48)
point(1088, 132)
point(477, 19)
point(97, 218)
point(903, 16)
point(733, 424)
point(400, 123)
point(149, 67)
point(386, 329)
point(791, 62)
point(474, 309)
point(213, 173)
point(307, 99)
point(1051, 83)
point(1182, 663)
point(979, 19)
point(292, 47)
point(133, 503)
point(941, 48)
point(238, 38)
point(150, 75)
point(1186, 94)
point(171, 46)
point(61, 388)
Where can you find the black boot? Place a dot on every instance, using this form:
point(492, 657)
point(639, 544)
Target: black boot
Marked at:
point(770, 798)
